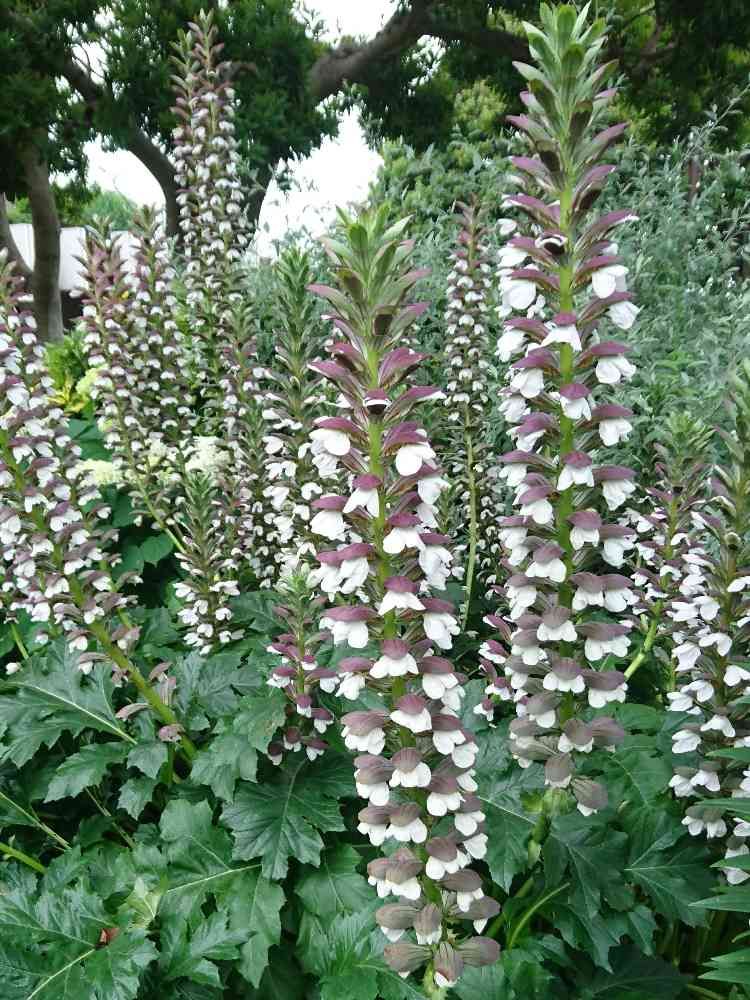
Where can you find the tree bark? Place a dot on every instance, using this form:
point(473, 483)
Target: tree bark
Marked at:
point(8, 244)
point(45, 281)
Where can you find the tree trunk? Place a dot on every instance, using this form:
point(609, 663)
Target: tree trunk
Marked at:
point(8, 244)
point(45, 281)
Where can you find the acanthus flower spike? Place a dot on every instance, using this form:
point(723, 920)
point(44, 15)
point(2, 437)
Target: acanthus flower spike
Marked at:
point(561, 283)
point(710, 626)
point(51, 536)
point(415, 767)
point(213, 222)
point(468, 377)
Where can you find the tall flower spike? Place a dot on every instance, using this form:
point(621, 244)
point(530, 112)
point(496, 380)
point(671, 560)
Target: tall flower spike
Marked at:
point(467, 394)
point(415, 758)
point(295, 396)
point(711, 617)
point(212, 210)
point(246, 510)
point(564, 278)
point(145, 406)
point(669, 549)
point(52, 543)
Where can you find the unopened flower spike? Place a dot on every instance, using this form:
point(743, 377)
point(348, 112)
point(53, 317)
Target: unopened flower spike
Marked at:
point(294, 403)
point(415, 757)
point(564, 288)
point(467, 395)
point(710, 618)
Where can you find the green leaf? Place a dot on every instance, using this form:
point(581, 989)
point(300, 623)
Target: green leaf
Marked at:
point(225, 760)
point(259, 716)
point(158, 628)
point(673, 879)
point(731, 968)
point(112, 972)
point(635, 977)
point(256, 911)
point(256, 611)
point(49, 696)
point(509, 824)
point(283, 818)
point(637, 773)
point(345, 956)
point(593, 855)
point(191, 949)
point(336, 888)
point(85, 768)
point(135, 795)
point(198, 855)
point(207, 687)
point(233, 754)
point(733, 899)
point(282, 980)
point(595, 935)
point(149, 757)
point(156, 548)
point(50, 944)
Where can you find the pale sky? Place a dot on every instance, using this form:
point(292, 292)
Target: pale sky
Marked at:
point(337, 173)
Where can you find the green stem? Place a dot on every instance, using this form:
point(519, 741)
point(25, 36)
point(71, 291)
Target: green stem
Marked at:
point(108, 815)
point(12, 852)
point(19, 641)
point(531, 911)
point(647, 643)
point(700, 991)
point(35, 821)
point(471, 481)
point(160, 708)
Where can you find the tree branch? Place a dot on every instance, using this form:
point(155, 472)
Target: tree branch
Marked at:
point(45, 280)
point(8, 243)
point(137, 141)
point(349, 63)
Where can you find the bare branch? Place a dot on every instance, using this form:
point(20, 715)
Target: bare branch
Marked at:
point(8, 243)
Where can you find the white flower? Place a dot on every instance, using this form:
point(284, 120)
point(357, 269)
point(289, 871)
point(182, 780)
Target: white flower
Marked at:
point(329, 523)
point(440, 627)
point(429, 488)
point(355, 633)
point(367, 499)
point(617, 491)
point(567, 334)
point(410, 458)
point(420, 723)
point(610, 370)
point(719, 723)
point(518, 293)
point(681, 786)
point(614, 430)
point(607, 280)
point(334, 442)
point(623, 314)
point(735, 675)
point(511, 342)
point(387, 666)
point(685, 741)
point(529, 382)
point(399, 539)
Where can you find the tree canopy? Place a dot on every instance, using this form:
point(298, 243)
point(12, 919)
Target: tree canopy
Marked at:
point(73, 70)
